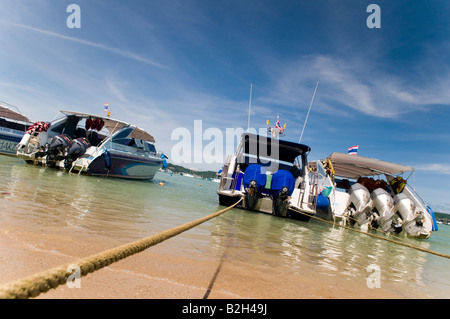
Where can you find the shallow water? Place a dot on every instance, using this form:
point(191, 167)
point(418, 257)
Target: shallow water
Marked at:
point(38, 198)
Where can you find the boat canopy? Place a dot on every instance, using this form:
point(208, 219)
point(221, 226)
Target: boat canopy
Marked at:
point(7, 113)
point(288, 151)
point(355, 166)
point(113, 125)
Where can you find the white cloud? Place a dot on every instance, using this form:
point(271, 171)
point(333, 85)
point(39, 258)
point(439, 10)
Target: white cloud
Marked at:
point(360, 86)
point(435, 168)
point(127, 54)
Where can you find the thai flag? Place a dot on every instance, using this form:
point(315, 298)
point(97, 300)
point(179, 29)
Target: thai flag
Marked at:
point(278, 126)
point(106, 107)
point(353, 150)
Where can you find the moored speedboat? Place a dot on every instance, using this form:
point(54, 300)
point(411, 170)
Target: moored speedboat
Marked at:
point(273, 178)
point(13, 126)
point(393, 207)
point(92, 144)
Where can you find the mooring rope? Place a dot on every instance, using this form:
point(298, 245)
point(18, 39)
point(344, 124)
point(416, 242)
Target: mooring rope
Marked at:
point(382, 238)
point(33, 285)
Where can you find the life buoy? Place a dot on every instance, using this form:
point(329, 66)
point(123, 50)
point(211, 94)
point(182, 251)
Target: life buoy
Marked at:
point(398, 184)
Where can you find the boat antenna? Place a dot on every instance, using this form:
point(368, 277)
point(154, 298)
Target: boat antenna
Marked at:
point(249, 107)
point(312, 100)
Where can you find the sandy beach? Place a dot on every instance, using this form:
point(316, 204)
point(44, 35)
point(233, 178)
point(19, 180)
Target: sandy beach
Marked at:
point(162, 272)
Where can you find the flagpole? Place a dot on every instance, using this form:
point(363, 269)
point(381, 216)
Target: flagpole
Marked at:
point(249, 107)
point(312, 100)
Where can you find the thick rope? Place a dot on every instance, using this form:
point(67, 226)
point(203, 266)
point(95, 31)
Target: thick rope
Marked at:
point(36, 284)
point(383, 238)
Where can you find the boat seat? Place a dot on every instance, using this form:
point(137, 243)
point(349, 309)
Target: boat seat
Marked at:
point(92, 136)
point(70, 125)
point(80, 132)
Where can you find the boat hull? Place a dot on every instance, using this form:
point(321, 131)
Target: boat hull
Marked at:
point(125, 165)
point(9, 139)
point(264, 204)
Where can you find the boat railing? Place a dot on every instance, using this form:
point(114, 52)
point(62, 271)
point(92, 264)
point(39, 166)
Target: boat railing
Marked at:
point(224, 177)
point(313, 190)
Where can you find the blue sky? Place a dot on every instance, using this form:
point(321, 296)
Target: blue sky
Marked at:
point(163, 64)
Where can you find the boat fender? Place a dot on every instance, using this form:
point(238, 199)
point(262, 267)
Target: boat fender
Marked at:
point(433, 217)
point(164, 162)
point(107, 158)
point(24, 141)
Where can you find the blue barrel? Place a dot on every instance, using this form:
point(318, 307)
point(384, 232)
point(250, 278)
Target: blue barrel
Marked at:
point(322, 202)
point(283, 178)
point(257, 173)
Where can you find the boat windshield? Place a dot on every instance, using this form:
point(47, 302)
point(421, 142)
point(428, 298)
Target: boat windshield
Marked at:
point(272, 154)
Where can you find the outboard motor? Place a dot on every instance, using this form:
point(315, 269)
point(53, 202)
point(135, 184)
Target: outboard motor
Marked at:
point(416, 226)
point(282, 185)
point(254, 180)
point(404, 207)
point(383, 208)
point(359, 207)
point(412, 220)
point(55, 150)
point(76, 149)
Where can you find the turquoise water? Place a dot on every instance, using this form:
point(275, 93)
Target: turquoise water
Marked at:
point(38, 197)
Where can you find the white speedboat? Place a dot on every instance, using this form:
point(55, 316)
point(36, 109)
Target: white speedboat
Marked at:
point(92, 144)
point(272, 176)
point(13, 126)
point(386, 203)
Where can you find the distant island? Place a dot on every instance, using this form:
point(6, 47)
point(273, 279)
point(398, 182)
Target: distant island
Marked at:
point(177, 169)
point(443, 217)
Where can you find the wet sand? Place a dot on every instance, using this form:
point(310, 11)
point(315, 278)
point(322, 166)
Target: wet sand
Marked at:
point(164, 272)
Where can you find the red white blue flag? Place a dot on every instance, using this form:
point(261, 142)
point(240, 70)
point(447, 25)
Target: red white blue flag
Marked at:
point(278, 126)
point(353, 150)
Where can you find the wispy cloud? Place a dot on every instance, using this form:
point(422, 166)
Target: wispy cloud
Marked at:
point(357, 85)
point(127, 54)
point(435, 168)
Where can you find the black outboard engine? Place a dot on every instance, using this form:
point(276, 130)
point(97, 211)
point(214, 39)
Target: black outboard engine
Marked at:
point(254, 180)
point(279, 204)
point(252, 196)
point(76, 149)
point(55, 150)
point(282, 186)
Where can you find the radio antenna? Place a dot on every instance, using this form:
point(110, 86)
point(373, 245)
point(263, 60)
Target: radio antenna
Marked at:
point(312, 100)
point(249, 107)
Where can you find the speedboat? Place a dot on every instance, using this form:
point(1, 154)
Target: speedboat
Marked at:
point(92, 144)
point(386, 203)
point(13, 126)
point(272, 177)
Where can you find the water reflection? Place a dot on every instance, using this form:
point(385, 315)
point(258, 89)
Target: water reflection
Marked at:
point(47, 199)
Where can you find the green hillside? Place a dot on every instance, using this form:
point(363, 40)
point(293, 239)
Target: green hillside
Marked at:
point(180, 169)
